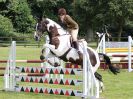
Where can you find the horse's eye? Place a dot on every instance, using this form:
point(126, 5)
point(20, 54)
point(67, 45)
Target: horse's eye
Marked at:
point(38, 27)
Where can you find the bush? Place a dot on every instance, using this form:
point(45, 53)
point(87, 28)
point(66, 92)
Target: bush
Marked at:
point(6, 26)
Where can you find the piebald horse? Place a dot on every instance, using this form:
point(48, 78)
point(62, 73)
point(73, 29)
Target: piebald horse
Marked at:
point(61, 47)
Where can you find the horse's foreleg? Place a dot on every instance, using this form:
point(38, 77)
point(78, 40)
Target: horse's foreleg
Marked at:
point(58, 51)
point(49, 46)
point(46, 51)
point(42, 55)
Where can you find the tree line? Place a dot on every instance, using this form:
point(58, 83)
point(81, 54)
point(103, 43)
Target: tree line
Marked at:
point(20, 16)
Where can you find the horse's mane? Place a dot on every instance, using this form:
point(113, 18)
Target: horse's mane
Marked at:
point(53, 22)
point(61, 30)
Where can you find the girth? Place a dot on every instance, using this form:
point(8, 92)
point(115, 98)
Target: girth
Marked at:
point(63, 57)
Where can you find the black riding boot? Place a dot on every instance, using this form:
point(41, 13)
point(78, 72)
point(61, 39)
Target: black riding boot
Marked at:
point(76, 46)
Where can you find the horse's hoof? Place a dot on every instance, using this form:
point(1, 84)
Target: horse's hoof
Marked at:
point(42, 57)
point(56, 64)
point(101, 89)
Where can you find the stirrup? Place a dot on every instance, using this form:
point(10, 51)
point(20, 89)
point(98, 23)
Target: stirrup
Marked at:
point(80, 54)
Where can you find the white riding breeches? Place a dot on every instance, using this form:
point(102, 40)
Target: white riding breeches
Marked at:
point(74, 34)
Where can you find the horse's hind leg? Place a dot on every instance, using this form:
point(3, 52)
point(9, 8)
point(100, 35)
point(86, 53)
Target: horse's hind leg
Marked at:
point(99, 78)
point(101, 85)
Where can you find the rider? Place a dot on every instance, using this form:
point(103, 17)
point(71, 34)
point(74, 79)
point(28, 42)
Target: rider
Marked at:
point(71, 26)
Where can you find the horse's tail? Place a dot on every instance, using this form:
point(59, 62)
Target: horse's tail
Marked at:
point(113, 69)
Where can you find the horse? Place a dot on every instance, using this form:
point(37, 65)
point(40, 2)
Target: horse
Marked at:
point(60, 46)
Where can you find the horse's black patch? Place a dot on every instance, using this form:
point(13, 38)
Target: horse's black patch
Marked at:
point(53, 35)
point(92, 57)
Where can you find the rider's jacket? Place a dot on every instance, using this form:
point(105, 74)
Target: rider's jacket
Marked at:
point(71, 24)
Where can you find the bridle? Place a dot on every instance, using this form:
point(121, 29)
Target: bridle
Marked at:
point(66, 33)
point(36, 26)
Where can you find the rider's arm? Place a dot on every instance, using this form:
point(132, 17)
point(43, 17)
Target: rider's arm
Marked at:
point(70, 22)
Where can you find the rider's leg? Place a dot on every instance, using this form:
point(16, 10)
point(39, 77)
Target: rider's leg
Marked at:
point(74, 34)
point(76, 46)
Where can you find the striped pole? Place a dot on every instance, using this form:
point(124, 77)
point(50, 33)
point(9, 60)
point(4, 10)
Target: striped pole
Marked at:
point(129, 54)
point(24, 61)
point(22, 73)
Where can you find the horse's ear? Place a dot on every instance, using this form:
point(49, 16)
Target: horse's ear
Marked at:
point(45, 20)
point(39, 19)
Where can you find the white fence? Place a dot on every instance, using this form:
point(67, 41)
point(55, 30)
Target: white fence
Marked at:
point(90, 84)
point(103, 45)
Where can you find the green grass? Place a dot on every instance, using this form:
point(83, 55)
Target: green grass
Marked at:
point(116, 86)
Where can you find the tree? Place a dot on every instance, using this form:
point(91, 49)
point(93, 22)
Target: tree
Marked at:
point(91, 15)
point(49, 8)
point(85, 12)
point(121, 12)
point(94, 14)
point(20, 14)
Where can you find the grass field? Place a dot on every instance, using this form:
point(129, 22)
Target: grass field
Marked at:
point(116, 86)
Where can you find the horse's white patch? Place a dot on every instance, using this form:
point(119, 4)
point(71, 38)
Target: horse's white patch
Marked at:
point(72, 54)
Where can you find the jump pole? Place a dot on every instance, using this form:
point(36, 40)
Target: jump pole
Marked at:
point(129, 54)
point(9, 76)
point(10, 73)
point(101, 45)
point(89, 80)
point(24, 61)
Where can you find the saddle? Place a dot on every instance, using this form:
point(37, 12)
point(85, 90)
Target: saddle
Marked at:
point(79, 41)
